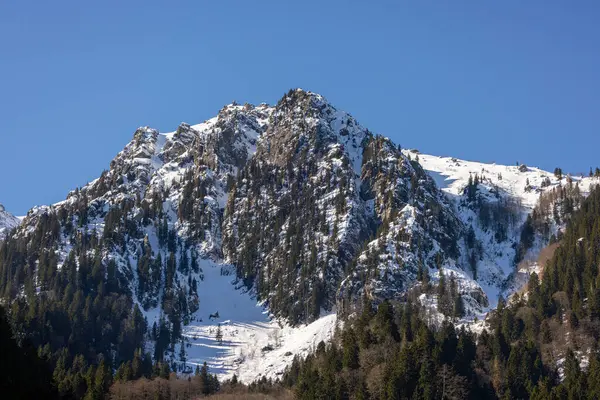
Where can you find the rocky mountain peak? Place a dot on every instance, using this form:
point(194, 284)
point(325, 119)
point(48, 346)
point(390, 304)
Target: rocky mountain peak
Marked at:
point(297, 204)
point(306, 123)
point(7, 221)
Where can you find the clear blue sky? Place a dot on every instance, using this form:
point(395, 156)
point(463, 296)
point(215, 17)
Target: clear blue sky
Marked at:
point(500, 81)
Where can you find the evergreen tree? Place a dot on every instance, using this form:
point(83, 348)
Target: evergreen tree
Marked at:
point(219, 334)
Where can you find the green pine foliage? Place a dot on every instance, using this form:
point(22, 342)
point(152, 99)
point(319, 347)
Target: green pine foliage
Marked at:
point(392, 354)
point(80, 313)
point(277, 252)
point(554, 207)
point(23, 374)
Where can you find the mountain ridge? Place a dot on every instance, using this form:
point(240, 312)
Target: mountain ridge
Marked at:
point(296, 207)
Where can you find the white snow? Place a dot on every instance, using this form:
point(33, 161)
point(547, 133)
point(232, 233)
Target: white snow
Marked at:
point(452, 175)
point(7, 222)
point(518, 186)
point(247, 329)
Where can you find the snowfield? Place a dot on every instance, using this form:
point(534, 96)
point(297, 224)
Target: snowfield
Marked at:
point(253, 344)
point(452, 175)
point(519, 186)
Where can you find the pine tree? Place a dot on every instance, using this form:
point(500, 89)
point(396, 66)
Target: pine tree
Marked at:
point(205, 379)
point(219, 334)
point(182, 355)
point(425, 386)
point(350, 349)
point(593, 376)
point(459, 307)
point(558, 173)
point(573, 376)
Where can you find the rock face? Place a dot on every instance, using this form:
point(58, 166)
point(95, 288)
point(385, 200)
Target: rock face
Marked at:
point(334, 202)
point(295, 219)
point(159, 206)
point(416, 226)
point(326, 212)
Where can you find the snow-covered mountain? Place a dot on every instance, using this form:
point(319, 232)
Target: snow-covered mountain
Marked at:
point(154, 220)
point(7, 221)
point(265, 222)
point(501, 203)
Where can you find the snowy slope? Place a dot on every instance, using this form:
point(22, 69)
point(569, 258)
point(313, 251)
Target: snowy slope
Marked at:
point(516, 187)
point(7, 221)
point(252, 349)
point(452, 176)
point(156, 174)
point(253, 343)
